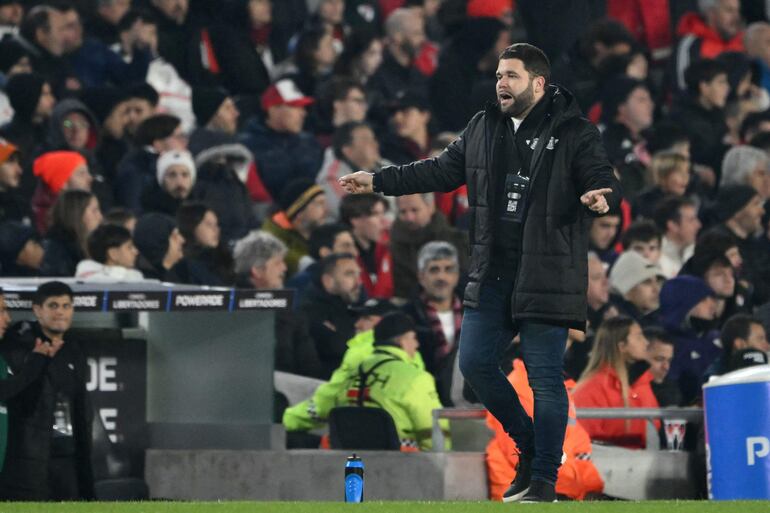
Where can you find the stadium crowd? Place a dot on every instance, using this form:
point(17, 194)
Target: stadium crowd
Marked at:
point(200, 142)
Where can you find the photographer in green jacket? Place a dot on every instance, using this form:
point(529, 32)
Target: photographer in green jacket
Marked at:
point(312, 413)
point(387, 379)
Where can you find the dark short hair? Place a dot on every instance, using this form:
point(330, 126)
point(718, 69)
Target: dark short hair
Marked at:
point(51, 289)
point(752, 121)
point(606, 31)
point(37, 18)
point(134, 15)
point(343, 135)
point(644, 231)
point(656, 333)
point(702, 261)
point(339, 88)
point(761, 141)
point(328, 264)
point(716, 241)
point(535, 61)
point(188, 217)
point(737, 326)
point(663, 136)
point(669, 209)
point(323, 237)
point(354, 206)
point(104, 238)
point(156, 127)
point(118, 216)
point(702, 70)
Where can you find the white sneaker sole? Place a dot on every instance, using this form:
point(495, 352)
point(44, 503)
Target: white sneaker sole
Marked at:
point(535, 502)
point(517, 497)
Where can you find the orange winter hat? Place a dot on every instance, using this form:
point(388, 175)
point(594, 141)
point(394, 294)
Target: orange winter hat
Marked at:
point(55, 168)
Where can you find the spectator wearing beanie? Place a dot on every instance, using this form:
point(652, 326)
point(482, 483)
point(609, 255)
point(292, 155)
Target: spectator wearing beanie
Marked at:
point(21, 254)
point(73, 127)
point(739, 209)
point(687, 313)
point(13, 205)
point(635, 287)
point(57, 171)
point(138, 169)
point(214, 110)
point(282, 150)
point(160, 245)
point(627, 109)
point(176, 175)
point(303, 208)
point(32, 100)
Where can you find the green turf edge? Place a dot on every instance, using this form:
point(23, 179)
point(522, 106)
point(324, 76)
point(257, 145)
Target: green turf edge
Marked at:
point(395, 507)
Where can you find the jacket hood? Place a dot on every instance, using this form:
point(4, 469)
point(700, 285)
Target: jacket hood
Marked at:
point(678, 296)
point(693, 23)
point(55, 134)
point(236, 155)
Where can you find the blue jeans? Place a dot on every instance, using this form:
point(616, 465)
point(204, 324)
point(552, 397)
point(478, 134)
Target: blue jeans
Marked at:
point(486, 332)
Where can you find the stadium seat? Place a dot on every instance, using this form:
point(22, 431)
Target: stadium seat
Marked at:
point(353, 427)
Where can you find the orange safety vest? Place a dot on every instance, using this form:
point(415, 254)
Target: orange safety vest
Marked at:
point(577, 475)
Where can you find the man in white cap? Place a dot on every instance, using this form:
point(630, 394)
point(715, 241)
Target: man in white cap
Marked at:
point(176, 173)
point(635, 284)
point(282, 150)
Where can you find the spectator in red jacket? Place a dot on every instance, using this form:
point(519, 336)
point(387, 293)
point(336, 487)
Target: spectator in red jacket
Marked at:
point(617, 376)
point(716, 29)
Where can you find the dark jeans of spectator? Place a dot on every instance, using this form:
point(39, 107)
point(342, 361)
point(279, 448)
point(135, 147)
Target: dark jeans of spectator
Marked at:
point(486, 332)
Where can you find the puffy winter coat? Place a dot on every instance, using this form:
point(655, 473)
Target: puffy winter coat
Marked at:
point(568, 160)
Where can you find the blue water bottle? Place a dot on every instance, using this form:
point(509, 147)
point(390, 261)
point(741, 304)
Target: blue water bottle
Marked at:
point(354, 479)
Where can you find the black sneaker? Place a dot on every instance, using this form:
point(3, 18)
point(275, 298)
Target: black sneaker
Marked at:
point(520, 485)
point(539, 491)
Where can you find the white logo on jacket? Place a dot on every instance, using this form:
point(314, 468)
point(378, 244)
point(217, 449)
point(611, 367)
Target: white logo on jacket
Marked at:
point(551, 143)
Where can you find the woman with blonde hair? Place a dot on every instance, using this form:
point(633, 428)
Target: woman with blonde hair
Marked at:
point(617, 376)
point(671, 173)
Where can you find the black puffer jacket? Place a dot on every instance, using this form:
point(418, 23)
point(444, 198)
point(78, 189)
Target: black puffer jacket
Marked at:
point(31, 414)
point(552, 273)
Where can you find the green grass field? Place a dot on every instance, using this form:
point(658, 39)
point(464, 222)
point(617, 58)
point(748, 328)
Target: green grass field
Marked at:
point(386, 507)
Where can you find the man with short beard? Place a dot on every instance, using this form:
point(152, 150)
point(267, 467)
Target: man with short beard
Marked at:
point(176, 177)
point(536, 173)
point(404, 35)
point(438, 313)
point(327, 305)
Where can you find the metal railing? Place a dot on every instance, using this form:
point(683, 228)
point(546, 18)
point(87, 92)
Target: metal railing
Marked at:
point(648, 414)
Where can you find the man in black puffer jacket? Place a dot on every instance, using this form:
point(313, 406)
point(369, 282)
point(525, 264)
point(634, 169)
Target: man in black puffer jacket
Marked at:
point(536, 173)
